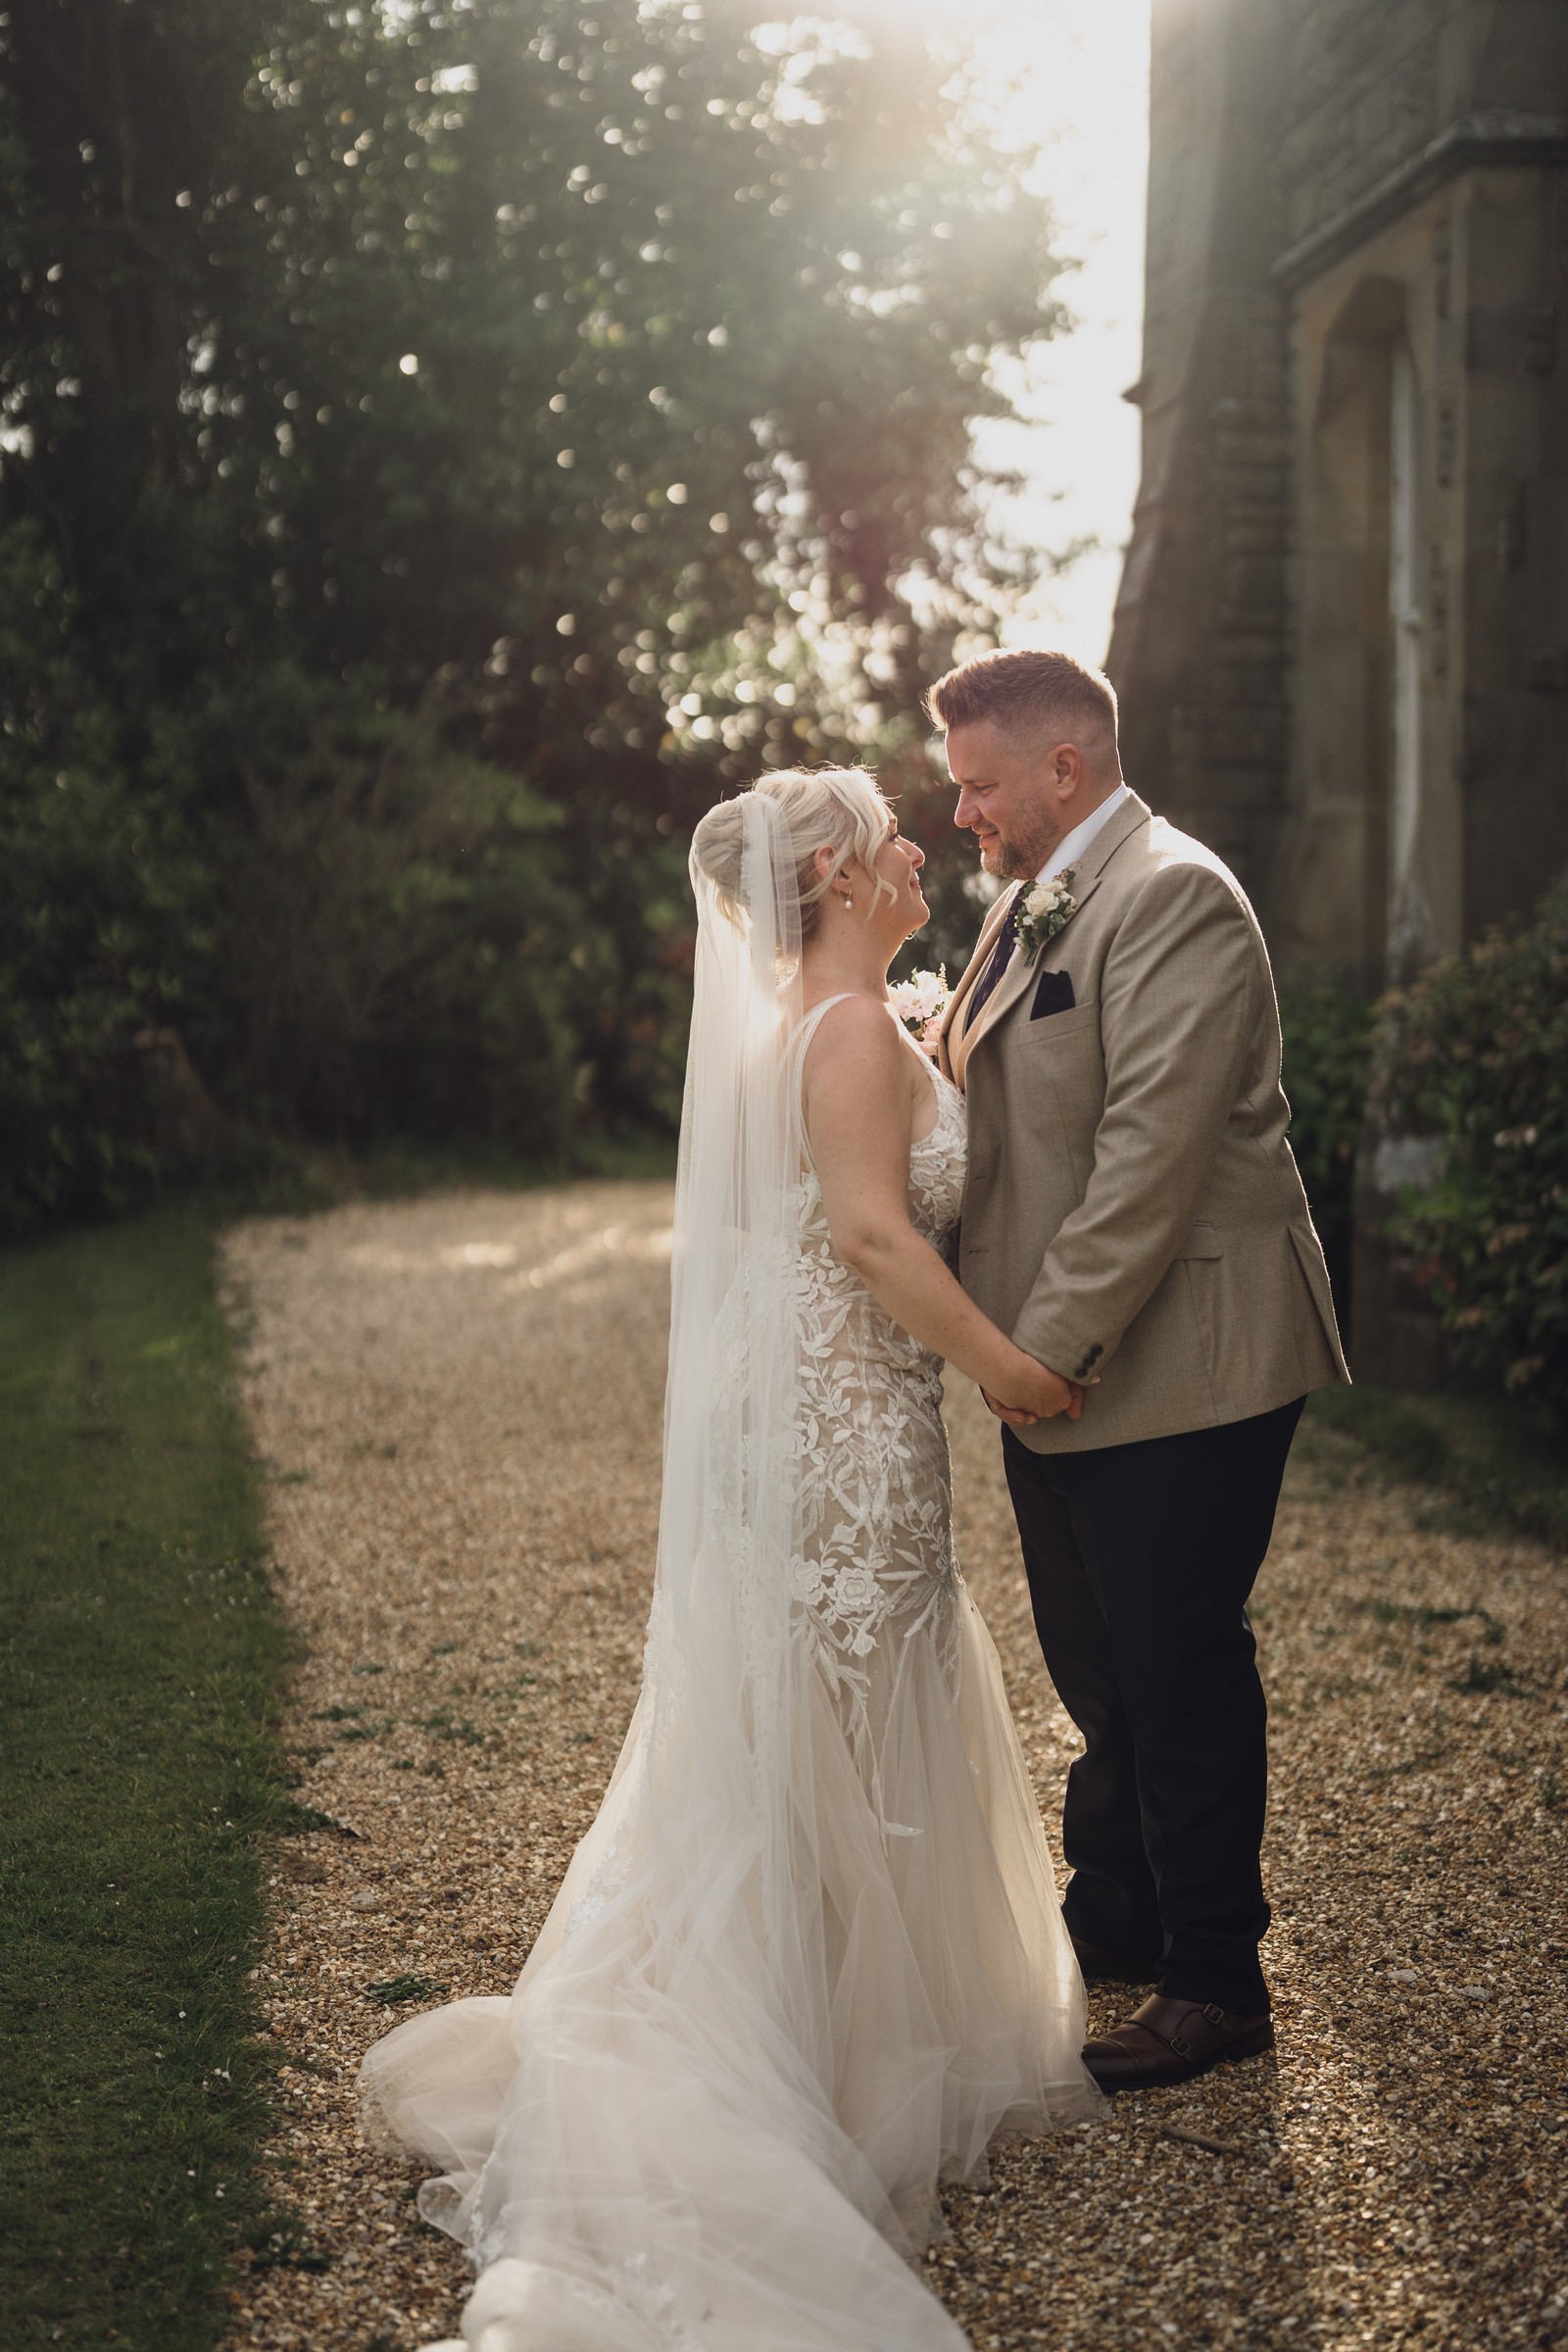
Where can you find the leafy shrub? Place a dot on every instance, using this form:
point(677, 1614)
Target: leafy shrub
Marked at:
point(1479, 1055)
point(279, 911)
point(397, 924)
point(1327, 1028)
point(96, 946)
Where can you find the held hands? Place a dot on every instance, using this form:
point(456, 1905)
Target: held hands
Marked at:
point(1037, 1394)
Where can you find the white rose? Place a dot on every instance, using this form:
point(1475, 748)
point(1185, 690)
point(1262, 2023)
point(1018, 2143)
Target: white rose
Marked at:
point(855, 1588)
point(805, 1581)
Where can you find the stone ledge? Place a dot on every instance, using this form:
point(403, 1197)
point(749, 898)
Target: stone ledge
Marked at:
point(1497, 137)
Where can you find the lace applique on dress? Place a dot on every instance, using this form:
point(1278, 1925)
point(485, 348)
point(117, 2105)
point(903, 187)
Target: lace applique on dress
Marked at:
point(875, 1564)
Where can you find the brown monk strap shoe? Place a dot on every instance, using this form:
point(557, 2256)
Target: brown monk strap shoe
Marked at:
point(1170, 2040)
point(1116, 1968)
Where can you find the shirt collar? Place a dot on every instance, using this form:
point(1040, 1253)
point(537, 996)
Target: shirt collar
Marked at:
point(1073, 845)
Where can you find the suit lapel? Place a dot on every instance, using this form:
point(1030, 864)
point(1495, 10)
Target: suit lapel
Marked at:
point(956, 1043)
point(1132, 813)
point(1008, 989)
point(951, 1033)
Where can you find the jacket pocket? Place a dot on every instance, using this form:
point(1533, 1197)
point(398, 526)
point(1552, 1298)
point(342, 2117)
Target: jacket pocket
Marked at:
point(1203, 1242)
point(1052, 1027)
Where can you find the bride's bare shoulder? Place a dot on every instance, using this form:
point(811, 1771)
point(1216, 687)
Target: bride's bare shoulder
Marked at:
point(854, 1040)
point(851, 1024)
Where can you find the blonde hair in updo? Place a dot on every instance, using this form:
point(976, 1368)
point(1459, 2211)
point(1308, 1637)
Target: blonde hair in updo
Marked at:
point(838, 808)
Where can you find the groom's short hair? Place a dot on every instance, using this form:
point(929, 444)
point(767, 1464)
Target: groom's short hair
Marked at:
point(1028, 694)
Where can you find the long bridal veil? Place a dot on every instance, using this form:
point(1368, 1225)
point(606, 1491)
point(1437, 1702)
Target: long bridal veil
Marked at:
point(714, 2110)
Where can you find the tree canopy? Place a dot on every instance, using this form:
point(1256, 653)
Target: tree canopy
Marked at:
point(443, 445)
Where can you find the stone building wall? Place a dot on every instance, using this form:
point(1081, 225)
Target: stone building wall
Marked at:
point(1200, 649)
point(1330, 180)
point(1342, 640)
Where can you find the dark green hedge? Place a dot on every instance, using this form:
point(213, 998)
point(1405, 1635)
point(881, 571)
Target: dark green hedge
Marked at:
point(1327, 1029)
point(1478, 1053)
point(284, 911)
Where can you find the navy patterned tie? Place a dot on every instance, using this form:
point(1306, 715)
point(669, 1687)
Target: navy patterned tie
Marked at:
point(1001, 957)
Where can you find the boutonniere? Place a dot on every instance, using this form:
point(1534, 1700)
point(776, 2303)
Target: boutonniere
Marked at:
point(1047, 910)
point(920, 1002)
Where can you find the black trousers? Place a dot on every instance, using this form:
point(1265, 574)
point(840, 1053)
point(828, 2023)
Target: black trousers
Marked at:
point(1139, 1560)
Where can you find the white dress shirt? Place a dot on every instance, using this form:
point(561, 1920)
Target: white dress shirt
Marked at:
point(1072, 845)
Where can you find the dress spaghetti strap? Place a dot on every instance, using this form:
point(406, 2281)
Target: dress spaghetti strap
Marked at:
point(798, 1052)
point(807, 1028)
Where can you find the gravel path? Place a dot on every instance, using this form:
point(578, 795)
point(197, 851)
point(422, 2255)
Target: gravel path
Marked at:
point(459, 1403)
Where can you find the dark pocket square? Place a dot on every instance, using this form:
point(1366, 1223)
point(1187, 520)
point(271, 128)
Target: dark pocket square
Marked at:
point(1053, 995)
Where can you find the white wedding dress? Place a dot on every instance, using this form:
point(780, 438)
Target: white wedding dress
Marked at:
point(808, 1961)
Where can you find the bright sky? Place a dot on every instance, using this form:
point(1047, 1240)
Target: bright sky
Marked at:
point(1086, 83)
point(1082, 66)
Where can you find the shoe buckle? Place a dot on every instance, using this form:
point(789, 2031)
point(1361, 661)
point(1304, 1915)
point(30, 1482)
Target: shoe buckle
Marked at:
point(1181, 2045)
point(1214, 2014)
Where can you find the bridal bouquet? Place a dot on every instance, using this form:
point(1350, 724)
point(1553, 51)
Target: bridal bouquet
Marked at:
point(920, 1002)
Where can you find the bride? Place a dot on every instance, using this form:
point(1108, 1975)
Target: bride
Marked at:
point(808, 1960)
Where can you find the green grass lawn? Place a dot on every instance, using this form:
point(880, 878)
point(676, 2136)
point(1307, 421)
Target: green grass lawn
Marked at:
point(140, 1654)
point(1488, 1466)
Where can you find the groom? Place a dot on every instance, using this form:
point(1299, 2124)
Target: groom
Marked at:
point(1134, 1219)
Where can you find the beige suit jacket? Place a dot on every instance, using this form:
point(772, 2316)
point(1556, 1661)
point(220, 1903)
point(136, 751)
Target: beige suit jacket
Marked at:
point(1133, 1211)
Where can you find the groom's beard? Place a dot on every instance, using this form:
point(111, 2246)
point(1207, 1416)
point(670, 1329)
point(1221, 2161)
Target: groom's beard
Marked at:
point(1019, 856)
